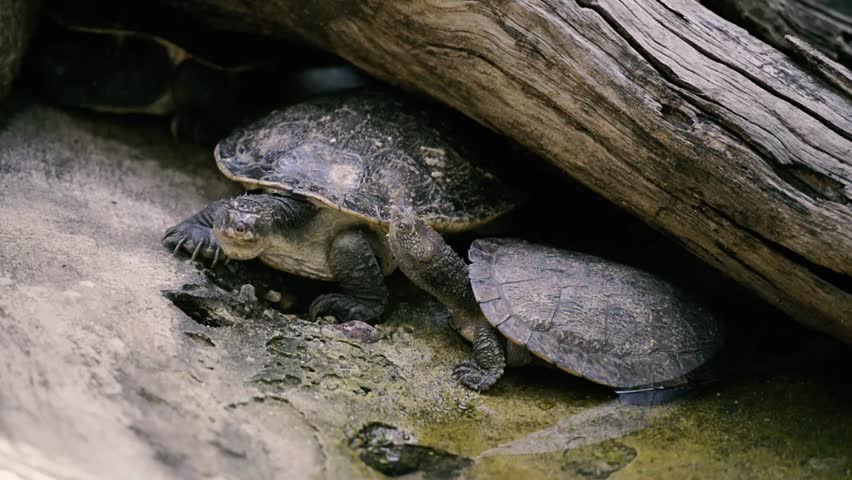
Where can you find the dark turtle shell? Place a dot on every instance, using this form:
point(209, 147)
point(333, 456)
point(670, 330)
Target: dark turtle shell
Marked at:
point(362, 153)
point(175, 32)
point(121, 57)
point(611, 323)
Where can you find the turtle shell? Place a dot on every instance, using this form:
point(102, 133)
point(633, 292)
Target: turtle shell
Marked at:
point(364, 152)
point(120, 58)
point(179, 35)
point(613, 324)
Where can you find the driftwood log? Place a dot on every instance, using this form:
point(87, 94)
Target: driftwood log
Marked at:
point(813, 21)
point(661, 106)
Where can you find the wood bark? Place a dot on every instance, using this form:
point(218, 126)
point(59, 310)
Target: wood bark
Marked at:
point(661, 106)
point(814, 21)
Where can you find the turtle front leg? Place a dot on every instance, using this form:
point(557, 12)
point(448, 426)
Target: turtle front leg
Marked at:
point(195, 235)
point(489, 360)
point(354, 263)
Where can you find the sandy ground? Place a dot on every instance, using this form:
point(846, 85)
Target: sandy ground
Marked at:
point(103, 377)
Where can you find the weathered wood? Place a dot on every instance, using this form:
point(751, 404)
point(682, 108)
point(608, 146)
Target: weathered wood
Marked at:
point(661, 106)
point(813, 21)
point(831, 71)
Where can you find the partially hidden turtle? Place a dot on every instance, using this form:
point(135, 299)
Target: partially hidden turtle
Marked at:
point(154, 60)
point(322, 176)
point(607, 322)
point(17, 24)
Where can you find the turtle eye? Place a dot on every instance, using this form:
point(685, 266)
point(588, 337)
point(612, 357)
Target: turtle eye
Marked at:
point(241, 149)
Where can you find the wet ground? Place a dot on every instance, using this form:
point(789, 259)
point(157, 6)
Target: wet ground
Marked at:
point(104, 376)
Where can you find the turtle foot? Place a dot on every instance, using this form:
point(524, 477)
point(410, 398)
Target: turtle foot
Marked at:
point(193, 239)
point(475, 377)
point(344, 308)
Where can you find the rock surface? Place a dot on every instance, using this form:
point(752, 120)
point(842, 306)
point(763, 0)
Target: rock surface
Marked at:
point(104, 377)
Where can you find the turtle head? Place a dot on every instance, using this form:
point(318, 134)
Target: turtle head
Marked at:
point(413, 242)
point(243, 226)
point(424, 257)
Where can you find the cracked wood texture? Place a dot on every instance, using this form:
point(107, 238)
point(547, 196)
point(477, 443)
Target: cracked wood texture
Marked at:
point(813, 21)
point(662, 107)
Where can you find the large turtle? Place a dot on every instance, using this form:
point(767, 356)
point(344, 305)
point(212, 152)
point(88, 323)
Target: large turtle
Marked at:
point(321, 177)
point(610, 323)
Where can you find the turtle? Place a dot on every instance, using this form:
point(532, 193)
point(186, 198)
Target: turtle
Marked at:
point(128, 59)
point(321, 176)
point(608, 322)
point(17, 22)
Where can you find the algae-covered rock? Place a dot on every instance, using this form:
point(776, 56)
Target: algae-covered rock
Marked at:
point(395, 452)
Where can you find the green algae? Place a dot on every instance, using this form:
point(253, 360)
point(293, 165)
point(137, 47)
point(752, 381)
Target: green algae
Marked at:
point(781, 427)
point(523, 401)
point(788, 423)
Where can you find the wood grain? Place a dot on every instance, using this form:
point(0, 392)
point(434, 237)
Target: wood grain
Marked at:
point(773, 21)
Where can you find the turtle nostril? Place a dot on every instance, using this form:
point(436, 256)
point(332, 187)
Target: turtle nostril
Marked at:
point(240, 229)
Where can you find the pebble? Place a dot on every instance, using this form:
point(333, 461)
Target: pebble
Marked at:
point(247, 293)
point(361, 331)
point(273, 296)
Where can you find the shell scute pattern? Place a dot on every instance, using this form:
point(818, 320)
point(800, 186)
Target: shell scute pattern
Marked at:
point(364, 153)
point(608, 322)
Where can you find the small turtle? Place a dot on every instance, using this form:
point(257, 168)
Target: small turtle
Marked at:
point(118, 58)
point(594, 318)
point(321, 177)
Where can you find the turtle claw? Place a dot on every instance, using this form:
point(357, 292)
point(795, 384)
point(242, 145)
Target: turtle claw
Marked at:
point(195, 252)
point(169, 232)
point(475, 377)
point(177, 247)
point(194, 239)
point(216, 257)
